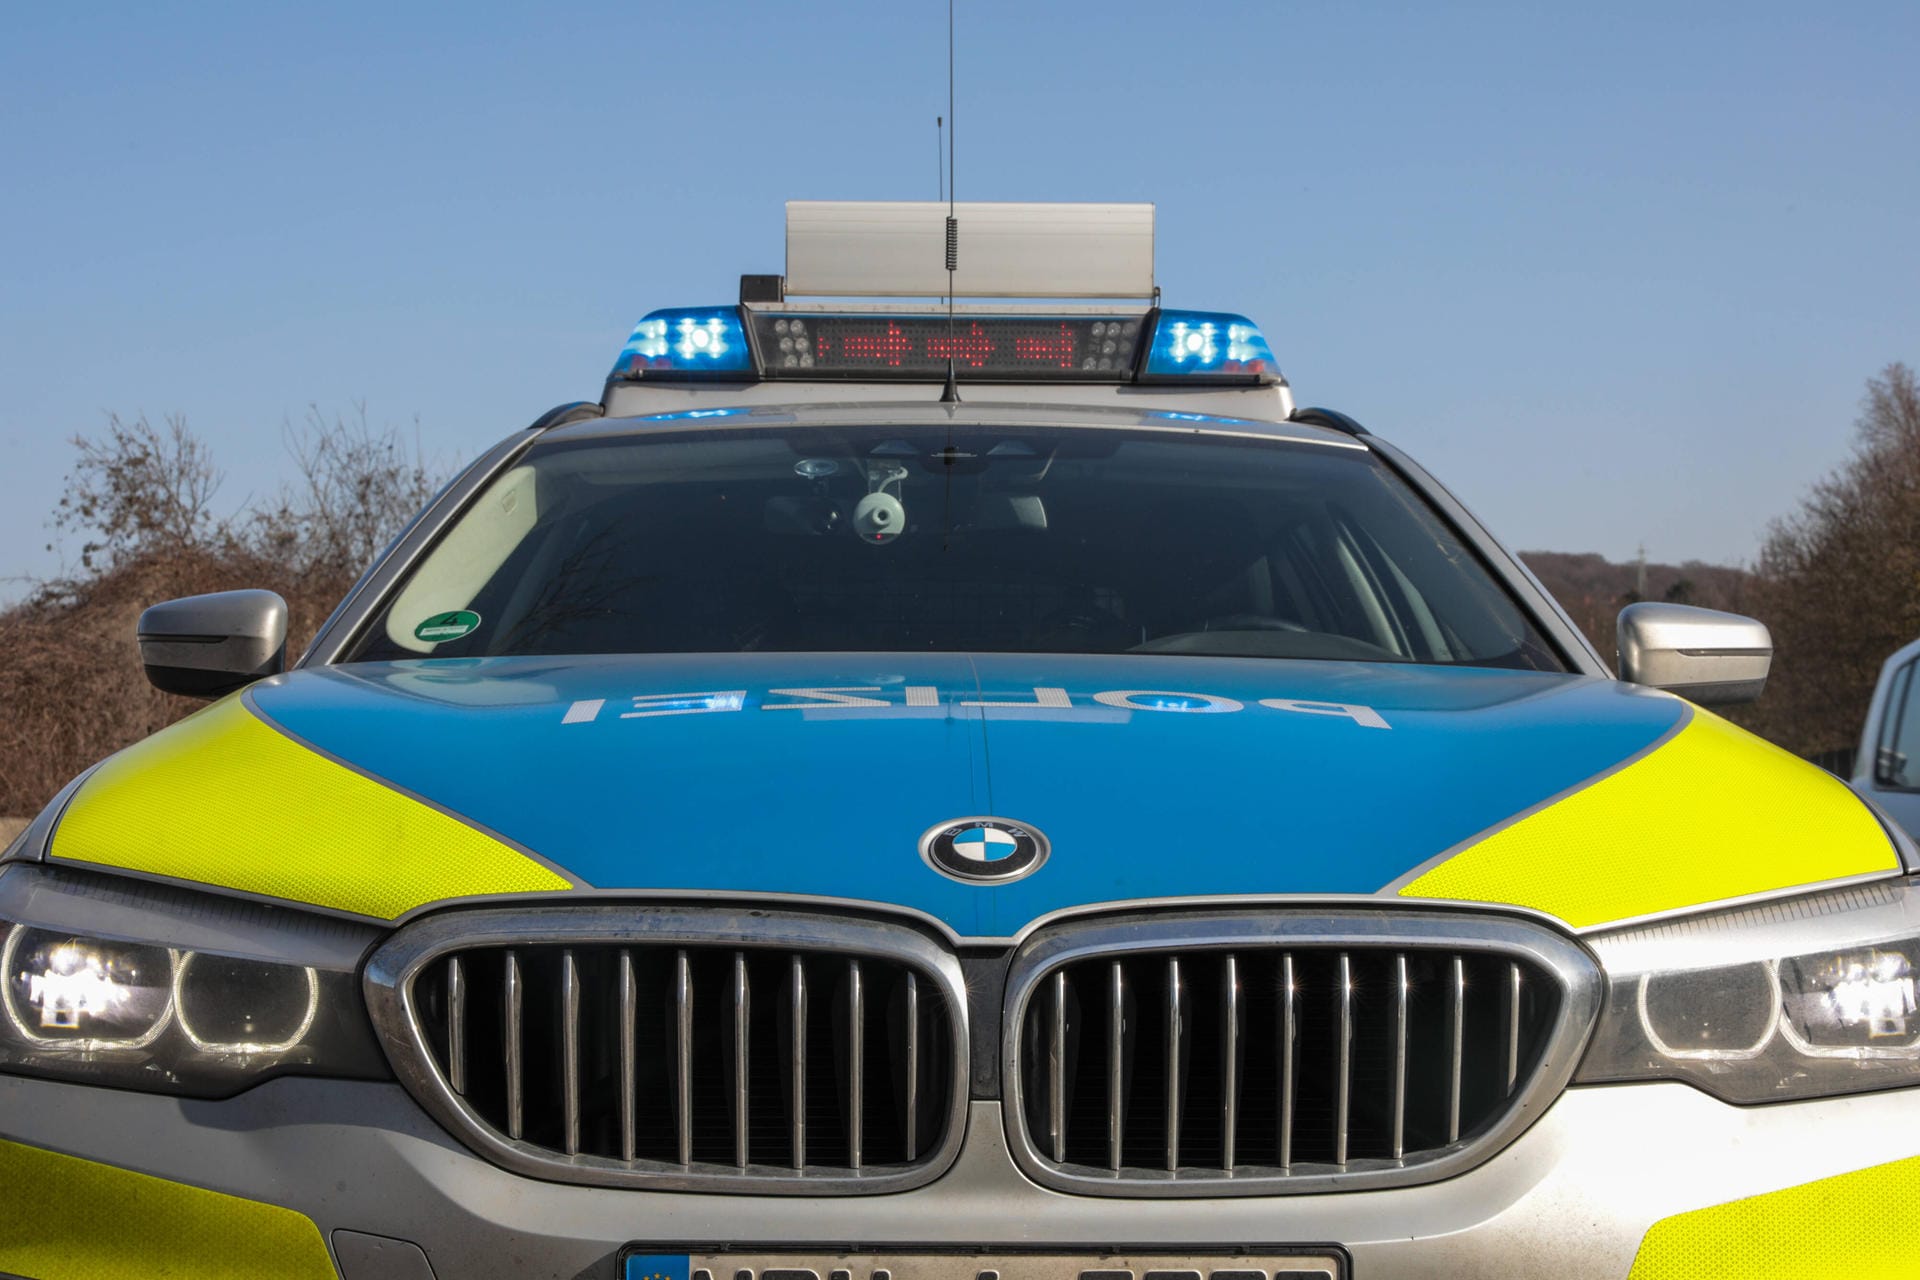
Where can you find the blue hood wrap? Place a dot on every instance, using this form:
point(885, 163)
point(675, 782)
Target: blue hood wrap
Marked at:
point(695, 772)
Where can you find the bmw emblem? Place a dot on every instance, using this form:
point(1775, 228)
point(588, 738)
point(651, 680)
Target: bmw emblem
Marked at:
point(984, 850)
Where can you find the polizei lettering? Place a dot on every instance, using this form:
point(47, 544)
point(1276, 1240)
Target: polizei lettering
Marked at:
point(878, 700)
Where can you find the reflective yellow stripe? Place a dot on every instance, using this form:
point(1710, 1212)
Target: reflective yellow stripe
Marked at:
point(1858, 1224)
point(224, 799)
point(63, 1218)
point(1712, 813)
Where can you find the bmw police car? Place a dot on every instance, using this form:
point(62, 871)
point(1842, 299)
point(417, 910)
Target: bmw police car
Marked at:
point(976, 791)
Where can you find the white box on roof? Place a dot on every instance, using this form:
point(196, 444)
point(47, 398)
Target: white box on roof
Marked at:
point(851, 248)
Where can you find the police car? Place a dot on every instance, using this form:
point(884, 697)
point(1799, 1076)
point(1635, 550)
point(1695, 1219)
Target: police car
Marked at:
point(955, 791)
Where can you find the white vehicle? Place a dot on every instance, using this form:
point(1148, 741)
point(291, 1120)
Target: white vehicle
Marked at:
point(1887, 768)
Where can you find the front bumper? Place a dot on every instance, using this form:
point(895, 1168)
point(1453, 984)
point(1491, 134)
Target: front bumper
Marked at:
point(1573, 1198)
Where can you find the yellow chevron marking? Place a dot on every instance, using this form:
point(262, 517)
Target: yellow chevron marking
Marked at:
point(1713, 813)
point(224, 799)
point(64, 1218)
point(1854, 1224)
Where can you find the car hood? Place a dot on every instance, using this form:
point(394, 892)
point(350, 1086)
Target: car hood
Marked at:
point(818, 775)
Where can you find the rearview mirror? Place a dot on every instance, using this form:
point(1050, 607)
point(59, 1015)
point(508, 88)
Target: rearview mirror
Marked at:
point(1703, 655)
point(204, 646)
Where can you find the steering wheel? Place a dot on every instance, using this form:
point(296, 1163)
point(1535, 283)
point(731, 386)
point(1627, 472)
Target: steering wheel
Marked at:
point(1249, 622)
point(1081, 623)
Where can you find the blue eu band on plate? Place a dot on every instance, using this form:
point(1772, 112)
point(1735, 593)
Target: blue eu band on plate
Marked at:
point(656, 1266)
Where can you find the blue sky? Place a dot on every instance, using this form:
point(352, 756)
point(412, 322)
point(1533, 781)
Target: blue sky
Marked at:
point(1616, 273)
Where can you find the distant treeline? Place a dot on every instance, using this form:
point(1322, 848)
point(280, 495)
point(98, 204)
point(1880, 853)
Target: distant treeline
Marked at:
point(1593, 589)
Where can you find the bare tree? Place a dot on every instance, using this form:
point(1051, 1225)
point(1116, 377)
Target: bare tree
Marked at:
point(355, 487)
point(1839, 580)
point(139, 490)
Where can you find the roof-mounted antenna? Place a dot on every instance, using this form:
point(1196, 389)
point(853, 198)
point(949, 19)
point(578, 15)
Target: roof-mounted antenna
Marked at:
point(951, 393)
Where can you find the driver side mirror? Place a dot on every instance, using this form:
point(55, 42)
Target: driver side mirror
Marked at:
point(1709, 657)
point(206, 646)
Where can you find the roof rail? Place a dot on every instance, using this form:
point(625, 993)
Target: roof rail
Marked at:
point(573, 411)
point(1315, 416)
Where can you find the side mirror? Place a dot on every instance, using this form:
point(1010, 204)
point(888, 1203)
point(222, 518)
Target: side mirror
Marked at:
point(204, 646)
point(1890, 767)
point(1704, 655)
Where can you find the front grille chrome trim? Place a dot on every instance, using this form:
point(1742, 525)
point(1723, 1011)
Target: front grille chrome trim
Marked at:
point(389, 986)
point(1227, 937)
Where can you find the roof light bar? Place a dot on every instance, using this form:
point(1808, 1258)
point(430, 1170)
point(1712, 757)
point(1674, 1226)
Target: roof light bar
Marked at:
point(749, 343)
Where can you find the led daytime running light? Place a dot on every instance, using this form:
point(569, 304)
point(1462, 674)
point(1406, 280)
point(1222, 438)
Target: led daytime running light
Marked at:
point(242, 1047)
point(1754, 1050)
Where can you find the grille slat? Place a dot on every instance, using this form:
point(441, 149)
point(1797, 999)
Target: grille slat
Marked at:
point(856, 1063)
point(1400, 994)
point(456, 1026)
point(1174, 1033)
point(702, 1060)
point(1289, 1058)
point(1457, 1011)
point(1116, 1064)
point(1057, 1067)
point(1343, 1053)
point(570, 1049)
point(1275, 1060)
point(683, 1050)
point(629, 1051)
point(515, 1048)
point(1229, 1061)
point(797, 1064)
point(912, 1067)
point(742, 1035)
point(1513, 1028)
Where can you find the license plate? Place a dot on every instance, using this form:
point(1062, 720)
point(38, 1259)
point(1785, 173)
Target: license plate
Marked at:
point(1278, 1264)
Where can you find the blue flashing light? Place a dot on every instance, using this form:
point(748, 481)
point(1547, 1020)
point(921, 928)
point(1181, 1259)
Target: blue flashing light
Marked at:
point(692, 415)
point(686, 340)
point(1186, 343)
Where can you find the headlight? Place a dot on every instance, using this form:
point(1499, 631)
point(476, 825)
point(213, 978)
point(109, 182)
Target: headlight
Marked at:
point(144, 986)
point(1798, 998)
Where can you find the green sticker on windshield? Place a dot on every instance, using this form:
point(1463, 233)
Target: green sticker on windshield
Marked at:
point(447, 626)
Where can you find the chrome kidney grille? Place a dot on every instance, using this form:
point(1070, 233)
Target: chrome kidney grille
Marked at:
point(723, 1050)
point(1242, 1054)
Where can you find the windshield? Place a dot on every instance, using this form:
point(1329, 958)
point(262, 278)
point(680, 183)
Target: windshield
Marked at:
point(969, 538)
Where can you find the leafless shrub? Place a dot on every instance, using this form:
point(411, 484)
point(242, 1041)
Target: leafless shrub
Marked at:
point(142, 499)
point(356, 486)
point(141, 490)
